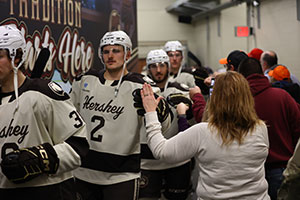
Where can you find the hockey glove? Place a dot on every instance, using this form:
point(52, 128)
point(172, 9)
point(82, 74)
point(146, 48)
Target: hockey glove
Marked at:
point(162, 109)
point(176, 98)
point(22, 165)
point(199, 76)
point(138, 103)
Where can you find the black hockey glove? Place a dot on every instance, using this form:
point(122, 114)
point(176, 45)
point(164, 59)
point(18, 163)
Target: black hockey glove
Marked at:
point(22, 165)
point(138, 103)
point(176, 98)
point(162, 109)
point(199, 76)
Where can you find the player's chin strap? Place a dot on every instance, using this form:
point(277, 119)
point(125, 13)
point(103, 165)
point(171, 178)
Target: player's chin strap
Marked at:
point(16, 80)
point(123, 69)
point(169, 75)
point(181, 65)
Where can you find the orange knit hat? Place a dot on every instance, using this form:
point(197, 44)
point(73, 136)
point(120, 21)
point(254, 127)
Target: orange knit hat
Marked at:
point(280, 72)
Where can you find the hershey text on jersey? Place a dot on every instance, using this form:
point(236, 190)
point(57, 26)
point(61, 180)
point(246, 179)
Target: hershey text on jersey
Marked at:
point(102, 107)
point(9, 131)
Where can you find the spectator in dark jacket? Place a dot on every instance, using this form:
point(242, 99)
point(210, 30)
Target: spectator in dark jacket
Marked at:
point(280, 77)
point(282, 116)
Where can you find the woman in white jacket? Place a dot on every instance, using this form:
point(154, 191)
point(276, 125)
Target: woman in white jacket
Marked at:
point(231, 147)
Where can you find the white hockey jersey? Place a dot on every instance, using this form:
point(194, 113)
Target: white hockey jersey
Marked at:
point(148, 162)
point(113, 125)
point(45, 114)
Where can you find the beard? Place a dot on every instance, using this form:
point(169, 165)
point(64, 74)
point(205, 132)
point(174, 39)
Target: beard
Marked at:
point(160, 80)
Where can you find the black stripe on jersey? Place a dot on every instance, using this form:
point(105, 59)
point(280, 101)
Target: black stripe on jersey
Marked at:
point(178, 86)
point(146, 153)
point(42, 86)
point(107, 162)
point(79, 144)
point(100, 75)
point(2, 95)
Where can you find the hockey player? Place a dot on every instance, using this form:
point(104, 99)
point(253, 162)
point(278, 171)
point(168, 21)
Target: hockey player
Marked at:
point(175, 52)
point(156, 174)
point(42, 137)
point(105, 100)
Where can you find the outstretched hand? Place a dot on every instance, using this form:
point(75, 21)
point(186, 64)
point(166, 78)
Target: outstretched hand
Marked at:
point(148, 98)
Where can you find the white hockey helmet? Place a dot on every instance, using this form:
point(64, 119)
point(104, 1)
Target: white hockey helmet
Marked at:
point(173, 46)
point(12, 39)
point(115, 38)
point(157, 56)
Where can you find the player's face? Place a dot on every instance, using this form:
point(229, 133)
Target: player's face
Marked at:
point(175, 59)
point(159, 72)
point(113, 57)
point(6, 68)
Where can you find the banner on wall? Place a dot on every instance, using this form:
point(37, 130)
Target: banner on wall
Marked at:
point(71, 30)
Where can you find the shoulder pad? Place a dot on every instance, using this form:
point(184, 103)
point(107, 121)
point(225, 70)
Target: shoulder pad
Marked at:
point(138, 78)
point(147, 79)
point(46, 87)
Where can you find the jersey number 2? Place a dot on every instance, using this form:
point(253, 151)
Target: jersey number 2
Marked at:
point(94, 137)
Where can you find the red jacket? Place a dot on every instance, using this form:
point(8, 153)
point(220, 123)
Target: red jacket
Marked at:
point(198, 106)
point(282, 116)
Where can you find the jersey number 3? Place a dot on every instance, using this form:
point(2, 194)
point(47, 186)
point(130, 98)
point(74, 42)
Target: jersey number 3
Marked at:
point(77, 118)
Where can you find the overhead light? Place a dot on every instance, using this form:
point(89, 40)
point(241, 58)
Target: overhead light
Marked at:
point(255, 3)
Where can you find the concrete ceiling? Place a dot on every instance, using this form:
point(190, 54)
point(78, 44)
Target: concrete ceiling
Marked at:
point(189, 11)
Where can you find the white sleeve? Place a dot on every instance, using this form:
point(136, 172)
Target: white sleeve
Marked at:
point(179, 148)
point(68, 158)
point(292, 170)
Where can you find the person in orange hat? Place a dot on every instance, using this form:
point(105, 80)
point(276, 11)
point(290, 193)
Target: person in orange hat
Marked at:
point(233, 60)
point(231, 63)
point(279, 73)
point(280, 78)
